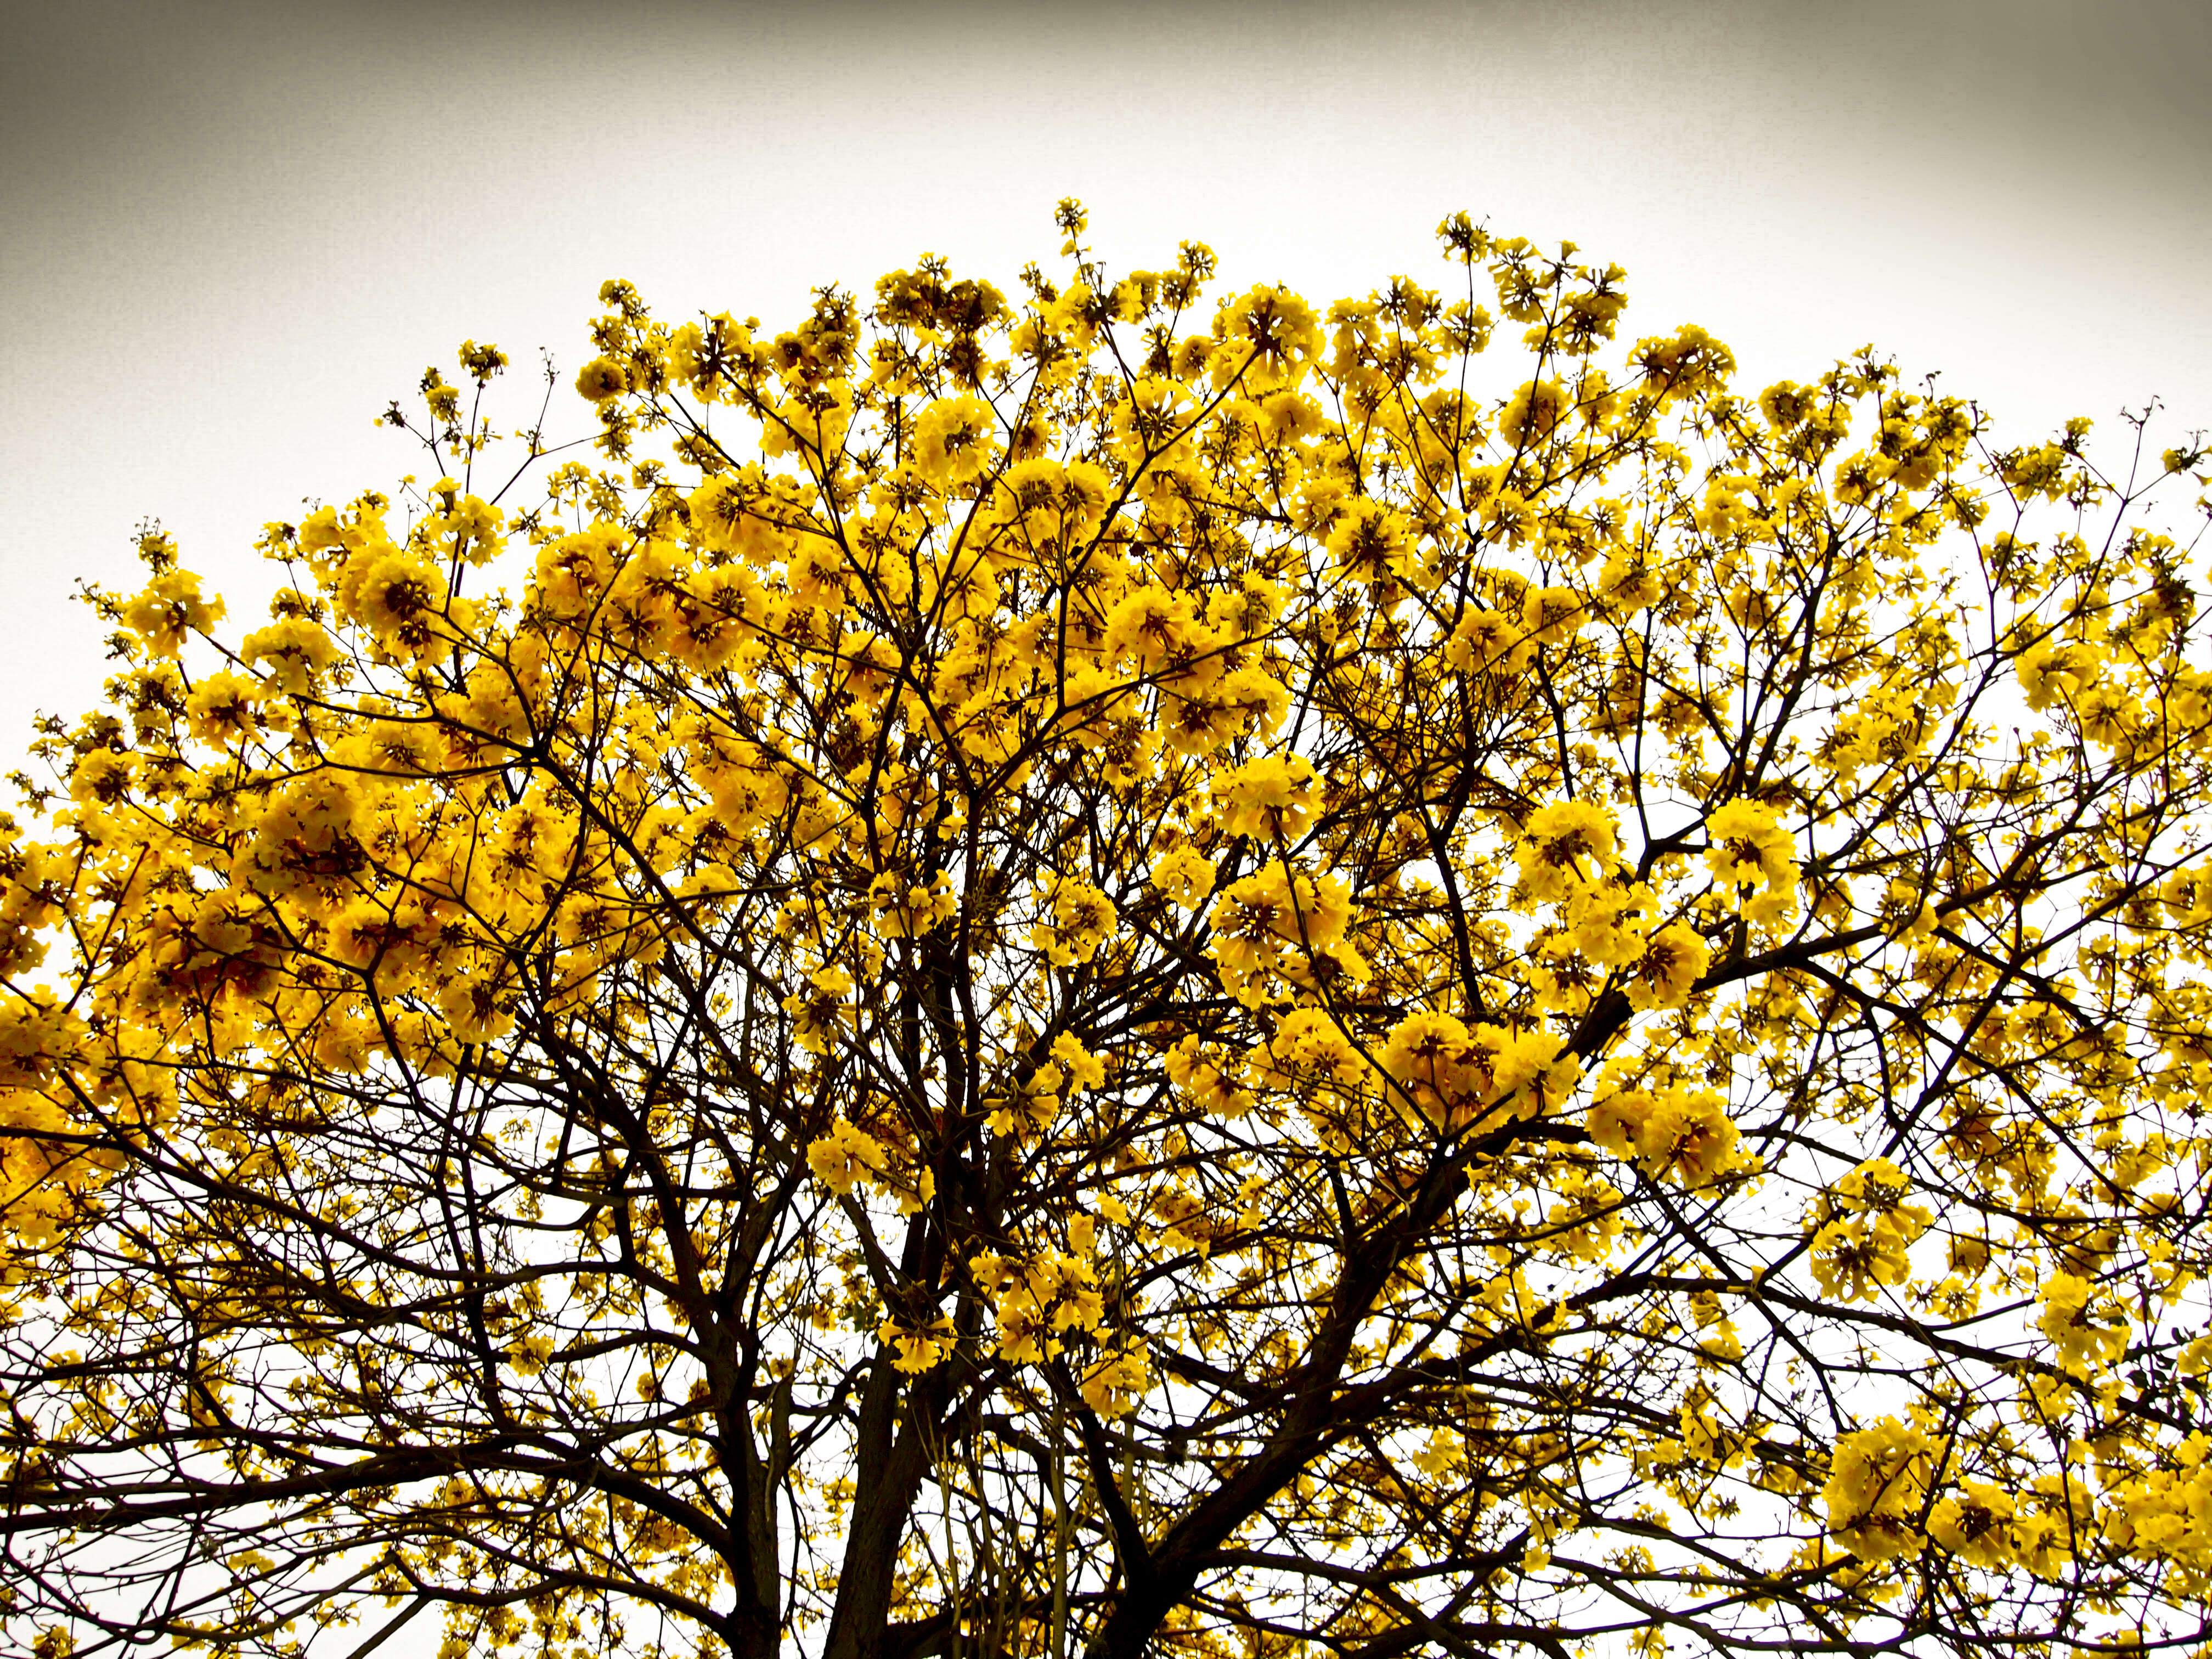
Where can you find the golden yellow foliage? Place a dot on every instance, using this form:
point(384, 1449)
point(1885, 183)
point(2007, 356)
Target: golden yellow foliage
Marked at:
point(1099, 968)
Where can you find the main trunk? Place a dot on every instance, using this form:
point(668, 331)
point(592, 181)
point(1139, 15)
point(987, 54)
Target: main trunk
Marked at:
point(888, 1474)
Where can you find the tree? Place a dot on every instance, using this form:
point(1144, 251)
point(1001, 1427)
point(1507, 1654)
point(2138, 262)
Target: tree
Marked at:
point(1039, 977)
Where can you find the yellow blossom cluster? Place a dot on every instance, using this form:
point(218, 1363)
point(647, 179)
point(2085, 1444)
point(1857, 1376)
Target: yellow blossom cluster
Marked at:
point(1105, 964)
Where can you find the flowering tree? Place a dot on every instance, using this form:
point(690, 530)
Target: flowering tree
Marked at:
point(1087, 973)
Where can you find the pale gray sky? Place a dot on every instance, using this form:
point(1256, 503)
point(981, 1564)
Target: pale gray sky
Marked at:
point(235, 230)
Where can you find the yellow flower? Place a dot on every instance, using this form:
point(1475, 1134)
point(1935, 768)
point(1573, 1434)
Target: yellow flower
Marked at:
point(1747, 847)
point(1024, 1333)
point(1273, 922)
point(1674, 958)
point(1785, 404)
point(1199, 723)
point(223, 708)
point(1489, 642)
point(2055, 673)
point(1055, 506)
point(1616, 1122)
point(1081, 1071)
point(1878, 1189)
point(1975, 1523)
point(1271, 798)
point(1853, 1260)
point(602, 378)
point(1270, 338)
point(845, 1157)
point(1069, 1287)
point(1690, 362)
point(572, 572)
point(2160, 1515)
point(1551, 615)
point(2087, 1337)
point(1150, 413)
point(475, 1011)
point(1451, 1075)
point(36, 1175)
point(1310, 1045)
point(1689, 1135)
point(1534, 412)
point(1159, 628)
point(1373, 544)
point(1771, 911)
point(344, 1043)
point(1876, 1482)
point(1079, 917)
point(1564, 845)
point(1113, 1386)
point(297, 650)
point(1184, 875)
point(954, 439)
point(920, 1348)
point(1207, 1078)
point(399, 593)
point(100, 777)
point(819, 1013)
point(168, 608)
point(904, 909)
point(815, 573)
point(2187, 895)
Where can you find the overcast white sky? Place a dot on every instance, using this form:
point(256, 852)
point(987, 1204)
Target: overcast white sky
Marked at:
point(234, 231)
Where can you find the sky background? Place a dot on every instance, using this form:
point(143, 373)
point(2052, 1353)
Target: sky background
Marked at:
point(234, 232)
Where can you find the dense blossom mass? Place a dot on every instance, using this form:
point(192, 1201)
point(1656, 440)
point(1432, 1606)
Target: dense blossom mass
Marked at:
point(1115, 970)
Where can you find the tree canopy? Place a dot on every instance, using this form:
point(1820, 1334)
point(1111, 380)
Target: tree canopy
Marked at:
point(1105, 971)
